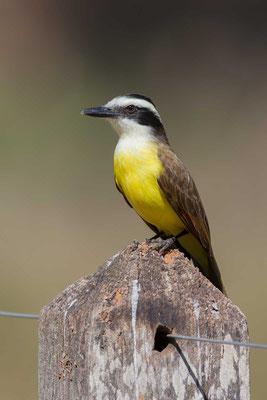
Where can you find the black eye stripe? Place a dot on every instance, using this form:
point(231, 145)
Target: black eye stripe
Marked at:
point(147, 117)
point(141, 115)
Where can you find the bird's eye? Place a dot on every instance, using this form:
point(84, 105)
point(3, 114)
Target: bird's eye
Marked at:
point(131, 108)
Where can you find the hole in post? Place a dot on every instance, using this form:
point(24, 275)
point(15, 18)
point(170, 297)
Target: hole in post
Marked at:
point(161, 339)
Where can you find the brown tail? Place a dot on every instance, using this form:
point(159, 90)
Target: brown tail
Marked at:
point(214, 273)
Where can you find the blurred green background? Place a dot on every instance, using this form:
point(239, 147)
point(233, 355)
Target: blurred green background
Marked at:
point(60, 213)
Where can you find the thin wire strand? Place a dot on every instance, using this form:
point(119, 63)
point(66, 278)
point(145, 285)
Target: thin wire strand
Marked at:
point(259, 346)
point(217, 341)
point(18, 315)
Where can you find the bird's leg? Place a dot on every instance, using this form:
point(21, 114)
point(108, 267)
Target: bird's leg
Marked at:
point(164, 244)
point(181, 234)
point(153, 238)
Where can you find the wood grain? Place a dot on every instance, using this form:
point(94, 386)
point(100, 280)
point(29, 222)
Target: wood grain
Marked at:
point(97, 338)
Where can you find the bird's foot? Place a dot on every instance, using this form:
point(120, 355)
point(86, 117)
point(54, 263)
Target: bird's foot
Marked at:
point(154, 238)
point(163, 245)
point(134, 245)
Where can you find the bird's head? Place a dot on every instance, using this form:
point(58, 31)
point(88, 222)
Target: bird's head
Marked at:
point(131, 114)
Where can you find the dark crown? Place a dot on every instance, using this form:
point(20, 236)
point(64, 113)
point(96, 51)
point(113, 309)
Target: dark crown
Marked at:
point(140, 96)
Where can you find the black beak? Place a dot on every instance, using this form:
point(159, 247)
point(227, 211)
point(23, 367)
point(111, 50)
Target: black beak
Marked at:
point(101, 112)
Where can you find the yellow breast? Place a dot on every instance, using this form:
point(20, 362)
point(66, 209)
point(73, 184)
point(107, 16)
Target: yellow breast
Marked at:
point(137, 168)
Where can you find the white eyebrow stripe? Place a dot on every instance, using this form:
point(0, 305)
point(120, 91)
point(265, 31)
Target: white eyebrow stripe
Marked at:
point(123, 101)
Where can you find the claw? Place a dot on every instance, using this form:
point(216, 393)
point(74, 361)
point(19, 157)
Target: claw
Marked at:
point(153, 239)
point(164, 245)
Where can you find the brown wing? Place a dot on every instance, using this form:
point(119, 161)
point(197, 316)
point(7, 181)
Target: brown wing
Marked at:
point(181, 192)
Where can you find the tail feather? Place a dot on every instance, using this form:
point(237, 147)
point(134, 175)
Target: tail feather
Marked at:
point(204, 259)
point(215, 274)
point(212, 271)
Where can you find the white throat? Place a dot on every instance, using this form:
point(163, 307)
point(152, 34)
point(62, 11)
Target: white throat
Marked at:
point(125, 127)
point(133, 136)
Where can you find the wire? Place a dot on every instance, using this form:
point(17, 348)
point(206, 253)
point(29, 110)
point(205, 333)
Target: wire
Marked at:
point(260, 346)
point(197, 339)
point(18, 315)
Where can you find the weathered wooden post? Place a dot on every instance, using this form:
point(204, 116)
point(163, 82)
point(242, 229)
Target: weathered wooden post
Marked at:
point(104, 337)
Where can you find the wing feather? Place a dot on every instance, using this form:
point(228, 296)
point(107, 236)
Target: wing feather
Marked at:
point(181, 192)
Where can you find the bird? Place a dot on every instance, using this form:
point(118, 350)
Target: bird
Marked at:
point(156, 183)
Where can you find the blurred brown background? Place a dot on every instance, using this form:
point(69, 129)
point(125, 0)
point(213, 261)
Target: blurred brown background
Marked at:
point(60, 213)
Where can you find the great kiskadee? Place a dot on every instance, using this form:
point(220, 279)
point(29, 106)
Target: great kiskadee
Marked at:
point(155, 182)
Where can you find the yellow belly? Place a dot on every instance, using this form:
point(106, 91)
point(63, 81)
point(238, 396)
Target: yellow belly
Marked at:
point(136, 174)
